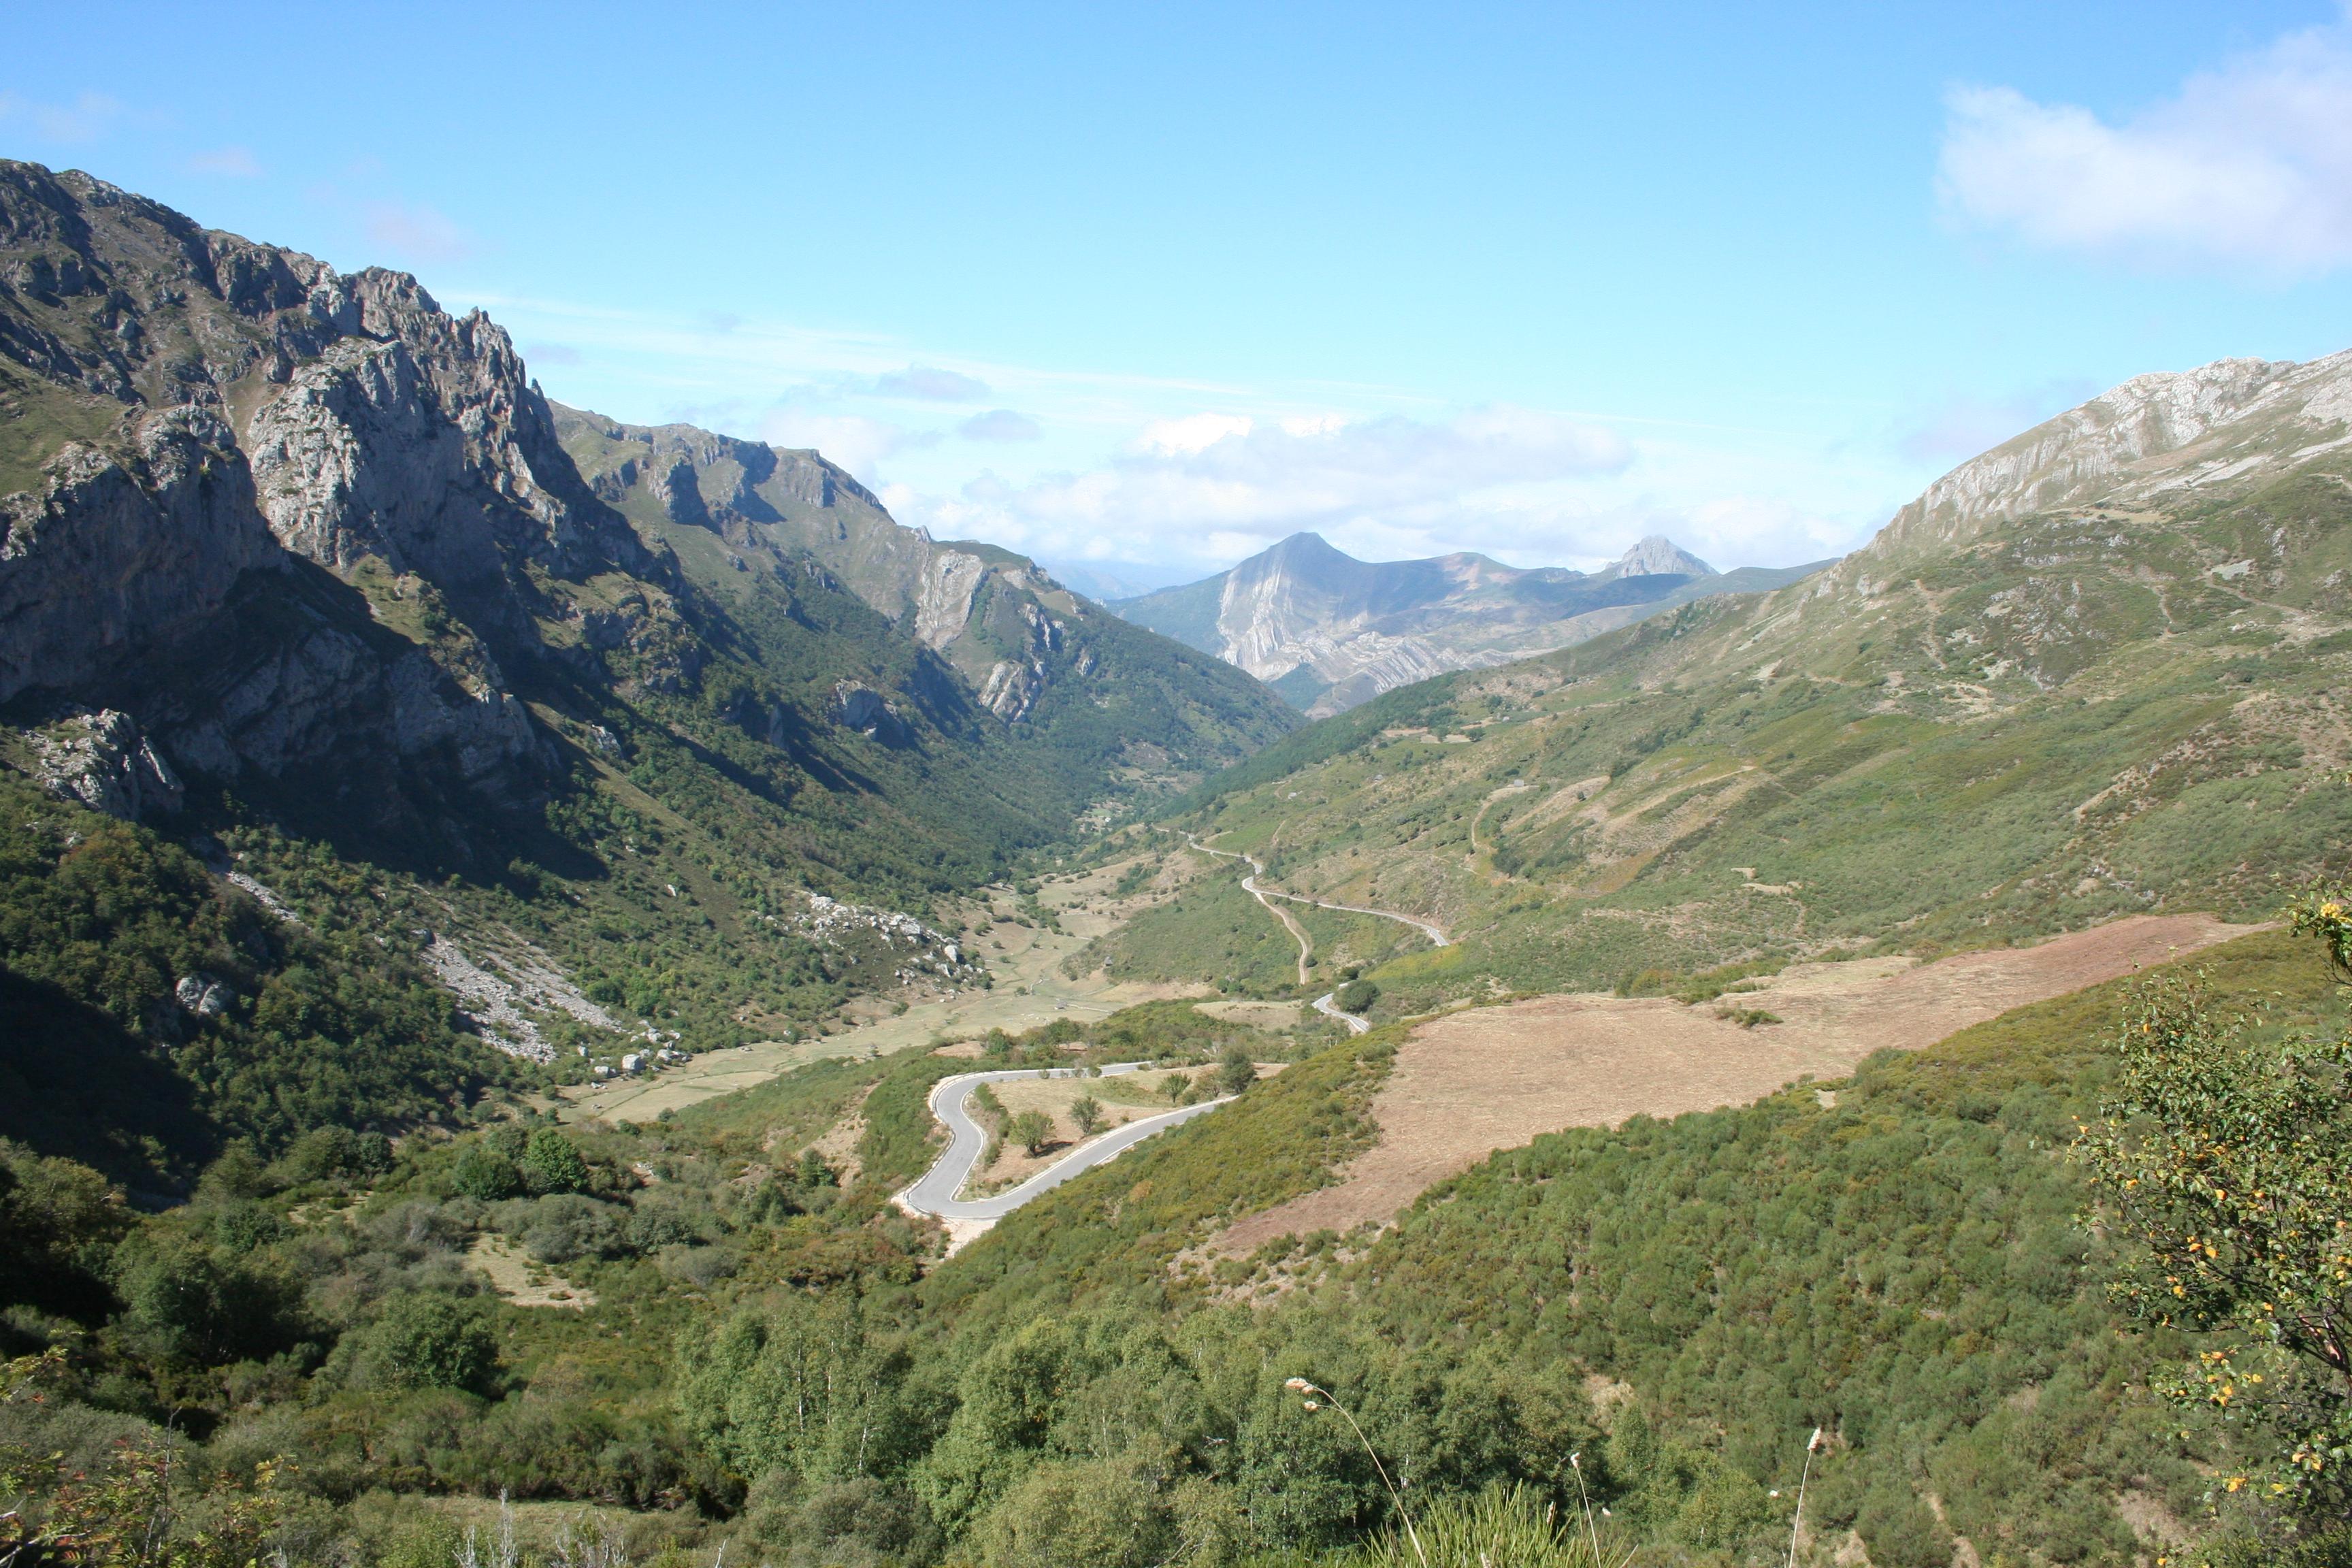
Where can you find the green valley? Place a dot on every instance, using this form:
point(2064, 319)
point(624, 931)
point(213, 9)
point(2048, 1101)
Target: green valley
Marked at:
point(1765, 1099)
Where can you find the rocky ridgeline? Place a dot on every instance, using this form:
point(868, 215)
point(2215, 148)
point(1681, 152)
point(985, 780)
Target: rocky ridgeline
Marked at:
point(1330, 631)
point(1007, 626)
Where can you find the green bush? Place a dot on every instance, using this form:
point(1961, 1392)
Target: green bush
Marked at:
point(424, 1338)
point(1032, 1130)
point(1356, 996)
point(551, 1164)
point(190, 1299)
point(483, 1173)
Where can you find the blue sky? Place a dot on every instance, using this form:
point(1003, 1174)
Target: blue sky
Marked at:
point(1151, 287)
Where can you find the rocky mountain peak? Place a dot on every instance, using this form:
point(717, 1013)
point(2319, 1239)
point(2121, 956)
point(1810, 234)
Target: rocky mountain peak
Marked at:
point(1657, 556)
point(2165, 433)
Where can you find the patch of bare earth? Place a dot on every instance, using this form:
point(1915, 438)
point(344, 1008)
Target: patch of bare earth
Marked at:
point(1494, 1078)
point(520, 1281)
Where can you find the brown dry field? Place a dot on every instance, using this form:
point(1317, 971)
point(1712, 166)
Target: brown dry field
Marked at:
point(1469, 1084)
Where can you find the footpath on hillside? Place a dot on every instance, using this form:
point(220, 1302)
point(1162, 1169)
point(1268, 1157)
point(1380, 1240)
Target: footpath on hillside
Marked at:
point(1327, 1004)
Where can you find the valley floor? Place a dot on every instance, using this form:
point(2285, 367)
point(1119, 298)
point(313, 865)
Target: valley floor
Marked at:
point(1031, 990)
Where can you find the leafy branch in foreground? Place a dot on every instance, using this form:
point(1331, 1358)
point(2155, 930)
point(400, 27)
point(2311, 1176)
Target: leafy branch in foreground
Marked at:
point(2229, 1164)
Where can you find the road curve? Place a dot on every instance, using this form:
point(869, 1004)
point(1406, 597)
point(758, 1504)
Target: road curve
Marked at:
point(934, 1192)
point(1329, 1008)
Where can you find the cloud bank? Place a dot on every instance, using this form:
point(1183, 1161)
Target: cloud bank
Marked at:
point(929, 384)
point(2247, 166)
point(1217, 485)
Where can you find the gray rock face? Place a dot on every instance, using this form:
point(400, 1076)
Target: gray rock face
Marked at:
point(202, 995)
point(119, 550)
point(860, 708)
point(103, 761)
point(418, 441)
point(253, 415)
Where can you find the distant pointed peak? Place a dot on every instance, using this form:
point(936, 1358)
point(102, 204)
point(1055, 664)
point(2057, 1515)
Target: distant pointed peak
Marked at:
point(1658, 556)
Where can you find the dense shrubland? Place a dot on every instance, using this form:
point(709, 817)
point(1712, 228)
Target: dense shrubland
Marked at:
point(1655, 1317)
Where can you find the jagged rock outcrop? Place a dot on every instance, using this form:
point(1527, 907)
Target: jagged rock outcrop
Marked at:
point(103, 761)
point(417, 440)
point(1329, 631)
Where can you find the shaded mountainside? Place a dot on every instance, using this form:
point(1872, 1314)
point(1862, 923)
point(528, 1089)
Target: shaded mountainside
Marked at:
point(2098, 670)
point(1328, 631)
point(295, 566)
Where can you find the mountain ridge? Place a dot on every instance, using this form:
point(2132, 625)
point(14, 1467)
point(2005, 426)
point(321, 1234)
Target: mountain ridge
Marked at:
point(1328, 631)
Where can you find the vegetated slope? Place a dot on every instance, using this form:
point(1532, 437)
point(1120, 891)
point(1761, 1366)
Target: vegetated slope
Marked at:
point(1328, 631)
point(1896, 1259)
point(296, 565)
point(2099, 669)
point(155, 1010)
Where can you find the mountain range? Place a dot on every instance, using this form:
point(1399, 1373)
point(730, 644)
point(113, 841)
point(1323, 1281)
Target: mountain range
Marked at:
point(1328, 631)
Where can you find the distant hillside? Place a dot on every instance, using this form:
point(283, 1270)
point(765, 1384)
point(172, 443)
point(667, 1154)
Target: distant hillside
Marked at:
point(1328, 631)
point(2099, 669)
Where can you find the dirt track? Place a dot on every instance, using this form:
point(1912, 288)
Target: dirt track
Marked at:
point(1468, 1085)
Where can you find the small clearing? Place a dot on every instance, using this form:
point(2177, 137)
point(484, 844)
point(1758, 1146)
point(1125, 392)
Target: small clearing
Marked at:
point(521, 1282)
point(1494, 1078)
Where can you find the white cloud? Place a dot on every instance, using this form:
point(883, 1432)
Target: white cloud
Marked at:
point(1214, 486)
point(1193, 433)
point(2249, 166)
point(230, 162)
point(929, 384)
point(857, 443)
point(413, 233)
point(88, 117)
point(1000, 424)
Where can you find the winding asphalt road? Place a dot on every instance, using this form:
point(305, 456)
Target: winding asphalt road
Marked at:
point(1323, 1003)
point(935, 1192)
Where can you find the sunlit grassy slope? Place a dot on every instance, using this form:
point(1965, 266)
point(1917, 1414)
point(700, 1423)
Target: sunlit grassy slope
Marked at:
point(1940, 742)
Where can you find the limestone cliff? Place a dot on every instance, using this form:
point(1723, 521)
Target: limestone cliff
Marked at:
point(228, 461)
